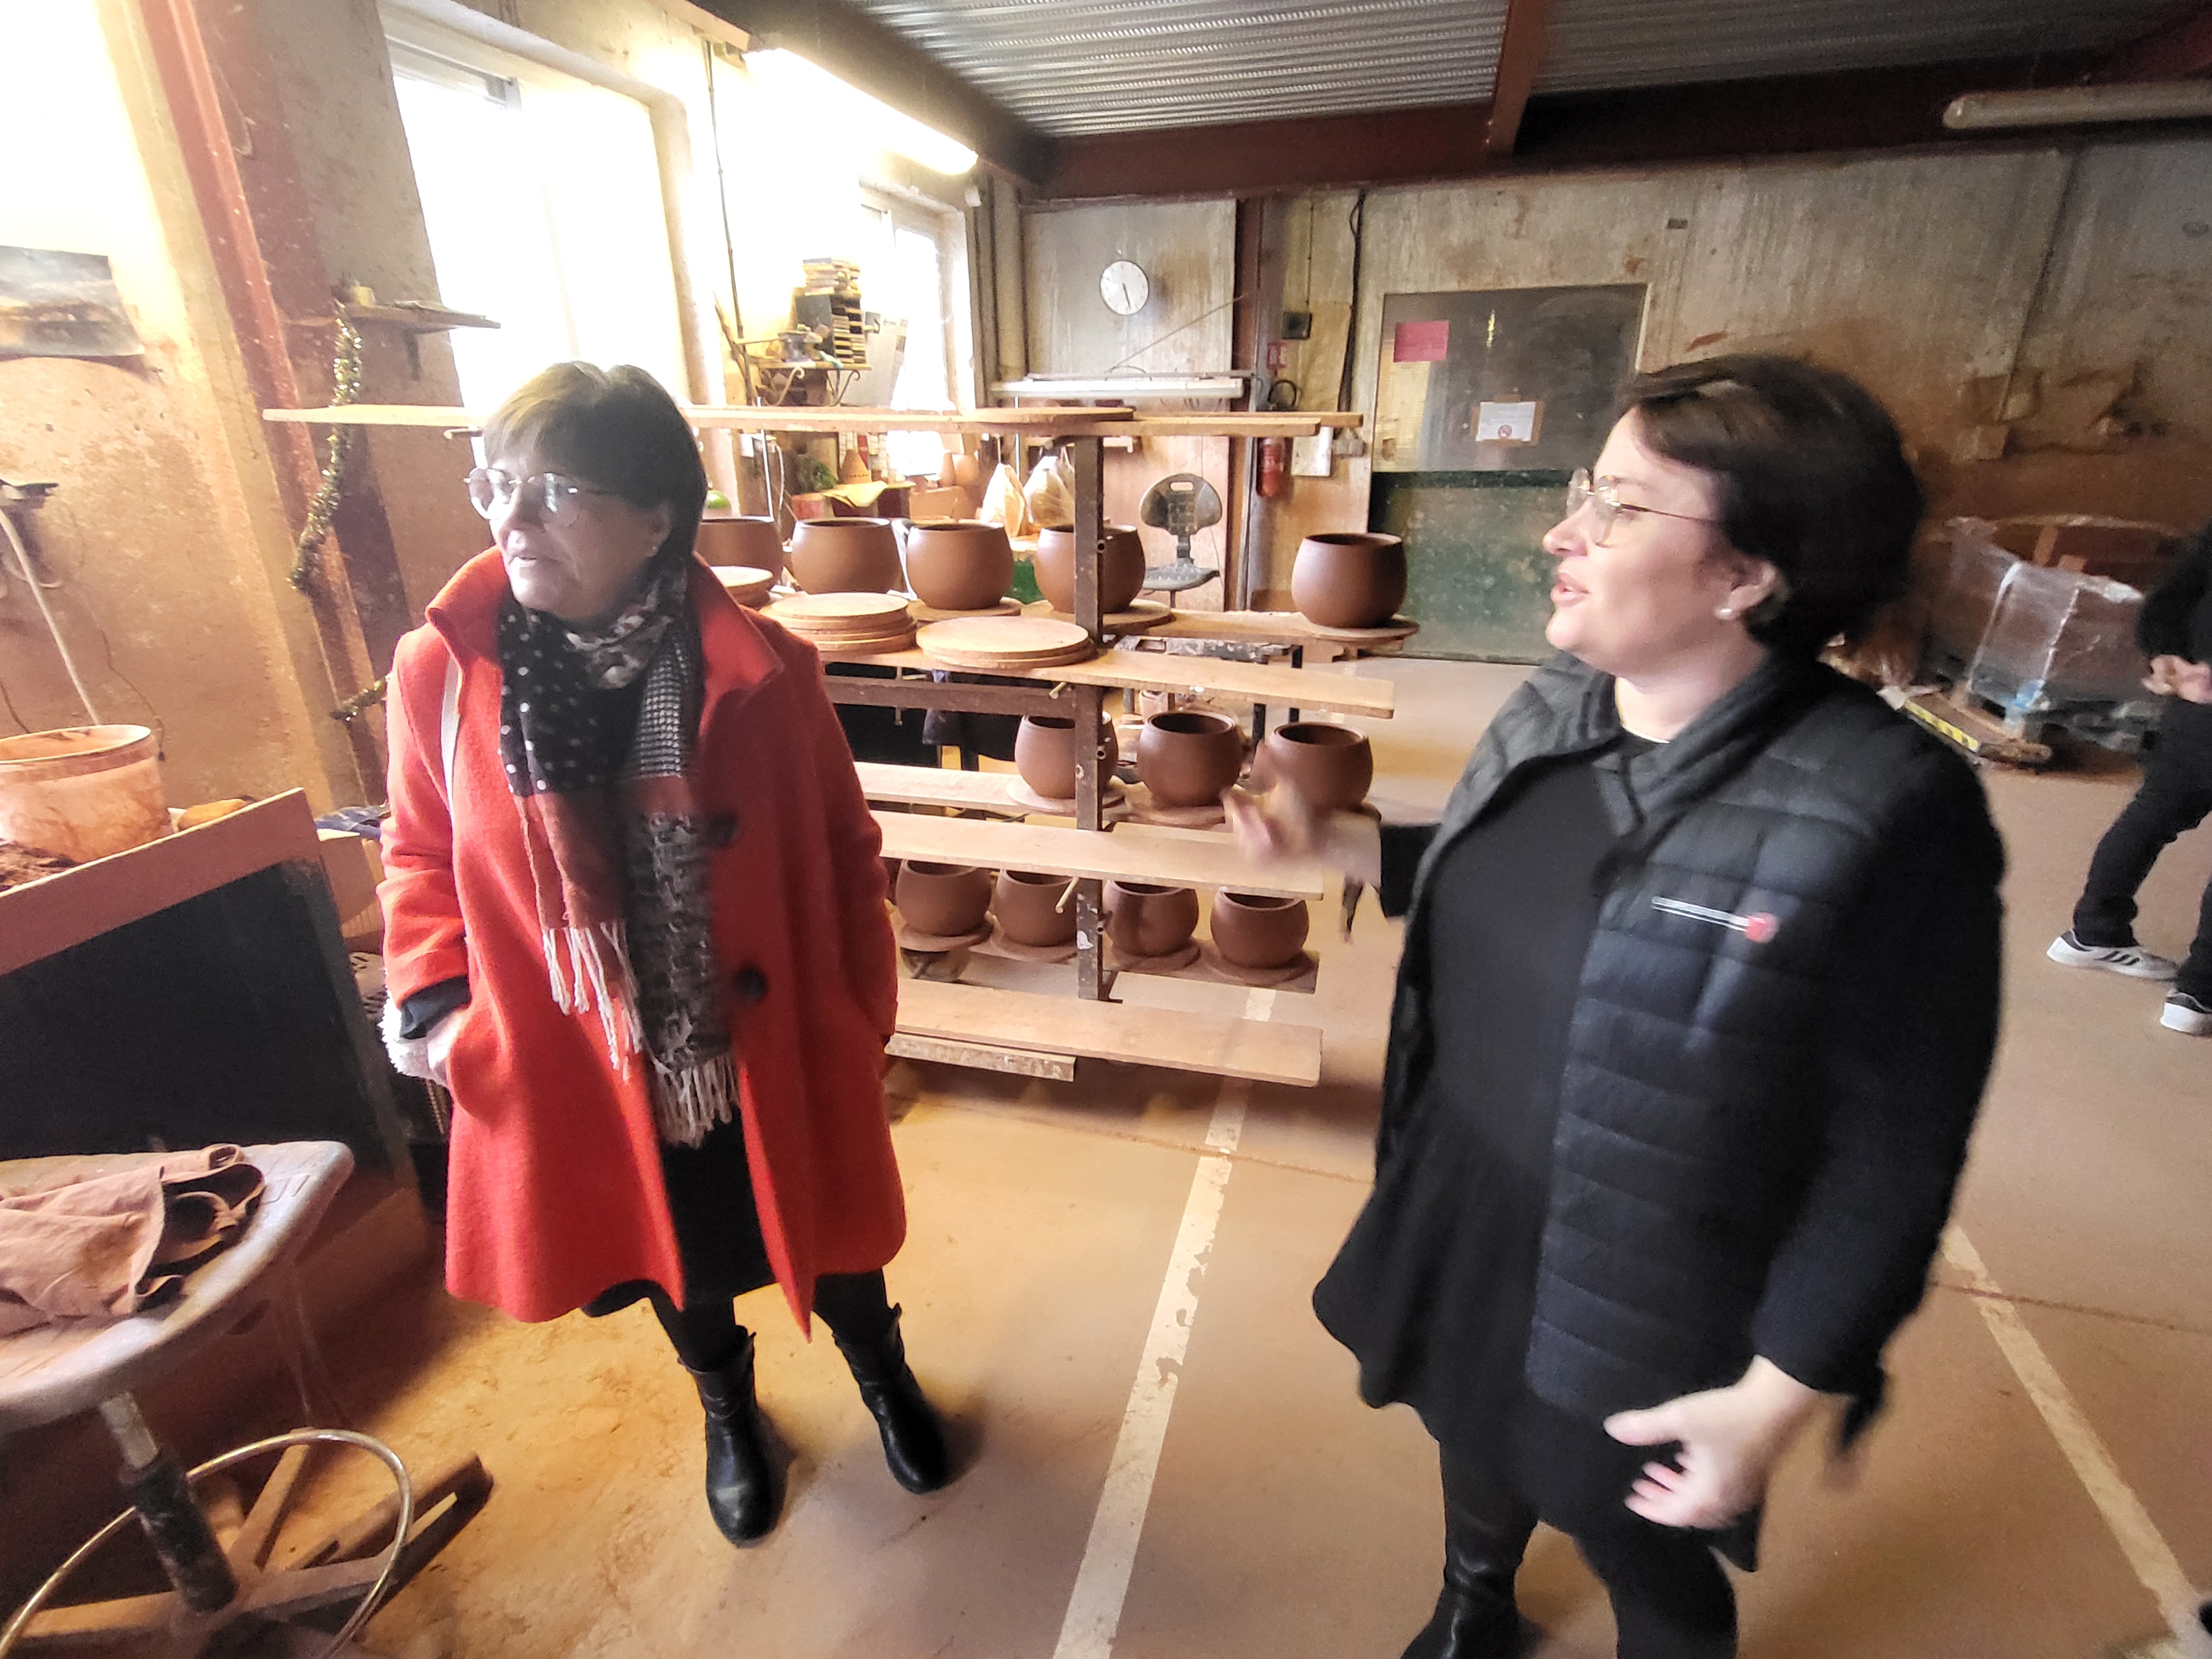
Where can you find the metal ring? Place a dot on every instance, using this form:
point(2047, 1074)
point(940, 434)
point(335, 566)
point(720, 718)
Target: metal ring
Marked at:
point(362, 1610)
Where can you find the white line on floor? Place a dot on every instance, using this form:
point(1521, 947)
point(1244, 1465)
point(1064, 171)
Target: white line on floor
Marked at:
point(1101, 1583)
point(2132, 1530)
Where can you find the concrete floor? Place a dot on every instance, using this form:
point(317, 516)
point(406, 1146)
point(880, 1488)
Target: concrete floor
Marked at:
point(1285, 1518)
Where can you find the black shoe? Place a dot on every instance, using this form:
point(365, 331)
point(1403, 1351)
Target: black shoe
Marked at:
point(913, 1439)
point(743, 1493)
point(1480, 1626)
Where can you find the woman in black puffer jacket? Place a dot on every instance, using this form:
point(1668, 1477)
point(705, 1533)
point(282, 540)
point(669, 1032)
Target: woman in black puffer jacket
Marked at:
point(1698, 999)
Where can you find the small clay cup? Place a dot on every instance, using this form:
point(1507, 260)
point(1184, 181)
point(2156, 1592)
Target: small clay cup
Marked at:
point(945, 899)
point(1331, 766)
point(1121, 568)
point(957, 564)
point(1254, 931)
point(845, 556)
point(1349, 579)
point(1024, 903)
point(1188, 756)
point(1145, 921)
point(1045, 753)
point(728, 541)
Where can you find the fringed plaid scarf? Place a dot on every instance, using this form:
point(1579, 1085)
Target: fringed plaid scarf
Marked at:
point(596, 731)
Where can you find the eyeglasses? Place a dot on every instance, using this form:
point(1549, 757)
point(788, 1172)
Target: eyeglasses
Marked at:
point(1602, 496)
point(491, 490)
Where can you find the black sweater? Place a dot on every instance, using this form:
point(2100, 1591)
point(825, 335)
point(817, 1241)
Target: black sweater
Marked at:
point(2177, 619)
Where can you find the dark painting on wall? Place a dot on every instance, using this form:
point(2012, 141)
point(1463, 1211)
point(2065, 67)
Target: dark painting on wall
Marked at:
point(61, 305)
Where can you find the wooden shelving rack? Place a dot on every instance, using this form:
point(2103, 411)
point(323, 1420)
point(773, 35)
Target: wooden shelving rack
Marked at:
point(1026, 1032)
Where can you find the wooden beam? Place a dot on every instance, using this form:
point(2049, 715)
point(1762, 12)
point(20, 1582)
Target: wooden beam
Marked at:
point(1519, 54)
point(862, 53)
point(1783, 115)
point(1155, 670)
point(2181, 49)
point(1212, 861)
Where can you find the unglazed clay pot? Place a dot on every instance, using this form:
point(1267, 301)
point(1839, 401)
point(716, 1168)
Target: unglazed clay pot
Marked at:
point(845, 556)
point(1349, 579)
point(1188, 756)
point(957, 564)
point(751, 542)
point(1121, 568)
point(1145, 921)
point(1027, 905)
point(945, 899)
point(1045, 754)
point(1254, 931)
point(1332, 766)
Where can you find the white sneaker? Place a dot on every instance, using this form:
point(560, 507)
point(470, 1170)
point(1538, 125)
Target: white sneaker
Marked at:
point(2129, 959)
point(2185, 1013)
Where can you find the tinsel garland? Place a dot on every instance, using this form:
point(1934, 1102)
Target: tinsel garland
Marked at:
point(345, 386)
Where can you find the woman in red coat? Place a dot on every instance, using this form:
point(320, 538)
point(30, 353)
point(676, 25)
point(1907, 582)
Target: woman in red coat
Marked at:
point(634, 921)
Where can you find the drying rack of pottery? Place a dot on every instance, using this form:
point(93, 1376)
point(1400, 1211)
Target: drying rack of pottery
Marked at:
point(1013, 1012)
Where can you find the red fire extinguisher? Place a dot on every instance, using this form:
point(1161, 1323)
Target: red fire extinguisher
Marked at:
point(1274, 466)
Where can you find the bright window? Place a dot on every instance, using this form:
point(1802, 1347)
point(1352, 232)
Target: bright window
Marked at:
point(903, 279)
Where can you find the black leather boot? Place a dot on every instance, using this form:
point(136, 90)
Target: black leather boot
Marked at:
point(743, 1492)
point(913, 1439)
point(1475, 1616)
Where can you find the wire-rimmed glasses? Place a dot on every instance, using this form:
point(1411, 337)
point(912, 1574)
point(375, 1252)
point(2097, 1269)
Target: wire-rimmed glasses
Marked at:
point(555, 496)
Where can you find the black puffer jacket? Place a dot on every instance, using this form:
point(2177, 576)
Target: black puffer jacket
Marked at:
point(1786, 1018)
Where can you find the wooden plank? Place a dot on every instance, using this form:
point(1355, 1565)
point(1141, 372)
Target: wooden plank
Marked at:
point(43, 918)
point(748, 417)
point(1108, 854)
point(1275, 628)
point(1299, 423)
point(1262, 1050)
point(932, 785)
point(1519, 52)
point(982, 1057)
point(1153, 671)
point(1972, 730)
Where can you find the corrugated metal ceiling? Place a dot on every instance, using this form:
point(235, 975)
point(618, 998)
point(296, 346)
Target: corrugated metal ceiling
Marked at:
point(1077, 67)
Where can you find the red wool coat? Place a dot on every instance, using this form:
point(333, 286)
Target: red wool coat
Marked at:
point(556, 1190)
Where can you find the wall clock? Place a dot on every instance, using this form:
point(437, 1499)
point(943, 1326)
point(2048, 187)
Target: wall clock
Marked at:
point(1125, 288)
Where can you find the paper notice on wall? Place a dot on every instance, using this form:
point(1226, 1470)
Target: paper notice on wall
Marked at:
point(1508, 423)
point(1420, 342)
point(1402, 404)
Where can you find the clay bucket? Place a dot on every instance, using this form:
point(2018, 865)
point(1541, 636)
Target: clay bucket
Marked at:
point(1331, 766)
point(1349, 579)
point(1188, 758)
point(1027, 905)
point(1145, 921)
point(1045, 754)
point(82, 791)
point(1121, 568)
point(945, 899)
point(845, 556)
point(729, 541)
point(957, 564)
point(1254, 931)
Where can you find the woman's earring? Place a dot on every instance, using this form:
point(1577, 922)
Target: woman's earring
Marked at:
point(1726, 613)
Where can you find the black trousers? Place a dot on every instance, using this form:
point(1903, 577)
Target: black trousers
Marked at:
point(855, 1306)
point(2175, 797)
point(1671, 1598)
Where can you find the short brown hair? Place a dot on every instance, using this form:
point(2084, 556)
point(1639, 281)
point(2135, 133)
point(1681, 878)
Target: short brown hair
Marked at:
point(1811, 475)
point(616, 428)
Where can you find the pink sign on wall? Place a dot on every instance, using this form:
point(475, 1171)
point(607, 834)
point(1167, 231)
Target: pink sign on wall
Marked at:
point(1420, 342)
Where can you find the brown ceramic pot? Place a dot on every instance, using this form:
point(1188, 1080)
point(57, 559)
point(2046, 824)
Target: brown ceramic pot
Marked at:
point(845, 556)
point(1254, 931)
point(1024, 903)
point(751, 542)
point(1045, 754)
point(1121, 568)
point(1145, 921)
point(1332, 766)
point(945, 899)
point(1349, 579)
point(1189, 757)
point(955, 564)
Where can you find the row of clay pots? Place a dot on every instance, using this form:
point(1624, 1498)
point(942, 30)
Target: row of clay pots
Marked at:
point(1188, 757)
point(1252, 930)
point(1349, 579)
point(950, 565)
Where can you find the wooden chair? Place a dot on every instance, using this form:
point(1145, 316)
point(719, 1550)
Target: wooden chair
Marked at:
point(221, 1574)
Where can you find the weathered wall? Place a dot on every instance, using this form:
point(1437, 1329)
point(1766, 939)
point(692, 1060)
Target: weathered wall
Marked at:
point(1187, 249)
point(166, 534)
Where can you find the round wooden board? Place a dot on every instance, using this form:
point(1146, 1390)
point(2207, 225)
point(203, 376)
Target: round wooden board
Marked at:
point(1144, 809)
point(1398, 627)
point(870, 645)
point(1021, 795)
point(817, 615)
point(985, 643)
point(1123, 964)
point(912, 939)
point(999, 945)
point(746, 584)
point(1146, 613)
point(923, 613)
point(1297, 968)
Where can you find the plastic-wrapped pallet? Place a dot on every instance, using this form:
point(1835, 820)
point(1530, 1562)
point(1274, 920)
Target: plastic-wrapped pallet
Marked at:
point(2031, 638)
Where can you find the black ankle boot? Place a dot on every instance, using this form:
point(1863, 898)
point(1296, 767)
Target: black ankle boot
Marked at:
point(1469, 1627)
point(743, 1492)
point(913, 1439)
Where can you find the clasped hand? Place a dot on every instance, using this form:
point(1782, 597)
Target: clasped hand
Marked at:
point(2178, 677)
point(1731, 1439)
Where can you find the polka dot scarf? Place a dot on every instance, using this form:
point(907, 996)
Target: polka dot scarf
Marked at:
point(595, 733)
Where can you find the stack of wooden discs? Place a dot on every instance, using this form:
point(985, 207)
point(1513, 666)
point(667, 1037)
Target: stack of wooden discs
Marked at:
point(847, 625)
point(748, 584)
point(1001, 644)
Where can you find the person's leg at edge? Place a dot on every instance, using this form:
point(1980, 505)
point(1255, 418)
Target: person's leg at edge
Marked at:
point(1487, 1525)
point(857, 1309)
point(2175, 795)
point(744, 1493)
